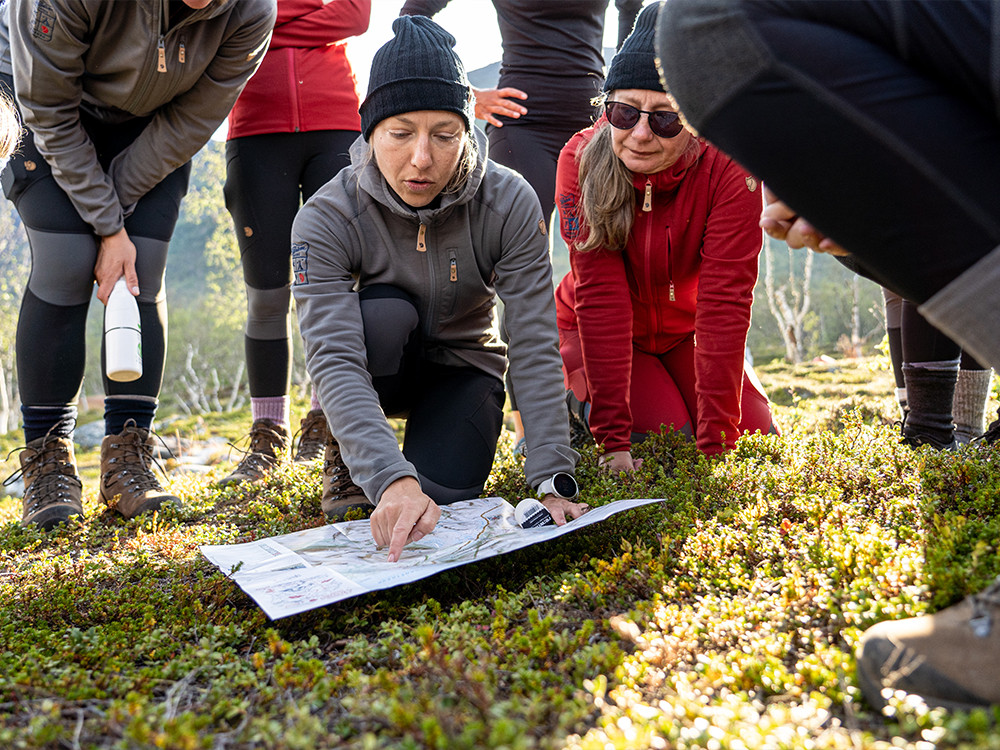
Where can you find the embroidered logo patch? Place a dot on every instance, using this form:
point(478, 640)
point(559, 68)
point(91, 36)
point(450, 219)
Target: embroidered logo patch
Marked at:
point(542, 229)
point(567, 215)
point(43, 21)
point(300, 262)
point(751, 183)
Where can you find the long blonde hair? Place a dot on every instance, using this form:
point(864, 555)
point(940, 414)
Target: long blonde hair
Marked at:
point(607, 196)
point(10, 128)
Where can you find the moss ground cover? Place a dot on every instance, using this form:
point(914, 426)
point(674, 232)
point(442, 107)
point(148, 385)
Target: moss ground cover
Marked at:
point(725, 617)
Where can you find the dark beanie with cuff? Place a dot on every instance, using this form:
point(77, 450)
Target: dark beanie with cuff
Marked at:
point(634, 66)
point(416, 70)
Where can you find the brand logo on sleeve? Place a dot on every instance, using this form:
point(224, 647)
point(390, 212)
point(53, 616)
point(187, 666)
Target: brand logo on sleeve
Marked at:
point(43, 21)
point(300, 262)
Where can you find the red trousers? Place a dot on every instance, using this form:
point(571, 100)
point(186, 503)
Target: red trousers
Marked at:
point(662, 390)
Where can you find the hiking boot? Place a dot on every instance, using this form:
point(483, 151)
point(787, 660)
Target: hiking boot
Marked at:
point(991, 435)
point(340, 493)
point(52, 487)
point(950, 659)
point(580, 436)
point(268, 448)
point(916, 438)
point(128, 484)
point(314, 433)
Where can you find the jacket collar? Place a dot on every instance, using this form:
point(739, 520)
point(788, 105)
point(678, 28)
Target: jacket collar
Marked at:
point(160, 9)
point(370, 180)
point(671, 177)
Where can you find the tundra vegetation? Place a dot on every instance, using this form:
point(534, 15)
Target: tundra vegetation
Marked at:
point(724, 617)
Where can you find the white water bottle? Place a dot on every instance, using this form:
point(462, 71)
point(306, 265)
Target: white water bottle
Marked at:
point(122, 335)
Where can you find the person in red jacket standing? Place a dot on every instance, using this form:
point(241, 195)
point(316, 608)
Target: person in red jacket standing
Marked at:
point(289, 134)
point(664, 237)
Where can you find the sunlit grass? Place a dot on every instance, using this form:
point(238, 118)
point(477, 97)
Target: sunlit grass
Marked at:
point(725, 617)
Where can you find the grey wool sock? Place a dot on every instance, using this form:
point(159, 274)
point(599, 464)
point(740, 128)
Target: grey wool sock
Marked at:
point(969, 404)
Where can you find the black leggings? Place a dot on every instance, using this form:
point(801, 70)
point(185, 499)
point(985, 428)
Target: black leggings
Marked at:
point(267, 177)
point(453, 414)
point(534, 152)
point(51, 327)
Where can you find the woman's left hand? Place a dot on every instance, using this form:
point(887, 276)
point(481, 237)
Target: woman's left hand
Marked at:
point(562, 509)
point(618, 461)
point(492, 102)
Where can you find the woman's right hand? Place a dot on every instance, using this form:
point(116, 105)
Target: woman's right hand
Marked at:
point(618, 461)
point(492, 102)
point(115, 258)
point(404, 514)
point(781, 222)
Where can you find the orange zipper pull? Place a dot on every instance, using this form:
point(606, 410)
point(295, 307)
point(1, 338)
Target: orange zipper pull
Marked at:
point(647, 201)
point(454, 270)
point(421, 241)
point(161, 57)
point(672, 297)
point(181, 53)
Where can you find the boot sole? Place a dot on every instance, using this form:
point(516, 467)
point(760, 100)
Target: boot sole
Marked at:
point(51, 517)
point(149, 505)
point(870, 682)
point(339, 512)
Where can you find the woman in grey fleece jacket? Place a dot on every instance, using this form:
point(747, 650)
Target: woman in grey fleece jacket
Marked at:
point(397, 265)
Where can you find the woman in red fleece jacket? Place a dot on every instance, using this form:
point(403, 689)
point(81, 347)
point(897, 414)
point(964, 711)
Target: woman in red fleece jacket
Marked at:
point(663, 237)
point(289, 134)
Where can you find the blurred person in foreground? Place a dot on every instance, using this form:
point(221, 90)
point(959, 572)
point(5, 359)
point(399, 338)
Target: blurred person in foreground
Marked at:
point(876, 123)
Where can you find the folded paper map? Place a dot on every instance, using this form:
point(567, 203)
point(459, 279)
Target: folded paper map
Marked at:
point(306, 569)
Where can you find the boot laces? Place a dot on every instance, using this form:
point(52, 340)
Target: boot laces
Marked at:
point(53, 478)
point(51, 454)
point(341, 484)
point(136, 461)
point(991, 435)
point(983, 605)
point(312, 436)
point(261, 456)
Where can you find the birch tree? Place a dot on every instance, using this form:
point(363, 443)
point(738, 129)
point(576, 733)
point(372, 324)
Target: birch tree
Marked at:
point(789, 300)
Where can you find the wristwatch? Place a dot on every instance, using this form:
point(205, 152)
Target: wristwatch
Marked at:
point(561, 485)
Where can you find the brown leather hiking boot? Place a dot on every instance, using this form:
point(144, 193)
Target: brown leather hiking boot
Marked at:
point(268, 448)
point(128, 484)
point(950, 659)
point(52, 487)
point(340, 493)
point(314, 434)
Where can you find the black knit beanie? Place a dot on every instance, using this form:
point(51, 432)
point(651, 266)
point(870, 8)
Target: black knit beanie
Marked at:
point(634, 67)
point(415, 70)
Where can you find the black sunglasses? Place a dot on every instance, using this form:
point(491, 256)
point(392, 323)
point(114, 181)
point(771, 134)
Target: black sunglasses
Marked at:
point(624, 117)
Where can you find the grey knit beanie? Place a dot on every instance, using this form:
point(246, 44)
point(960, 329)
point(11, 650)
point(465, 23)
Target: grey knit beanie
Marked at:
point(416, 70)
point(634, 67)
